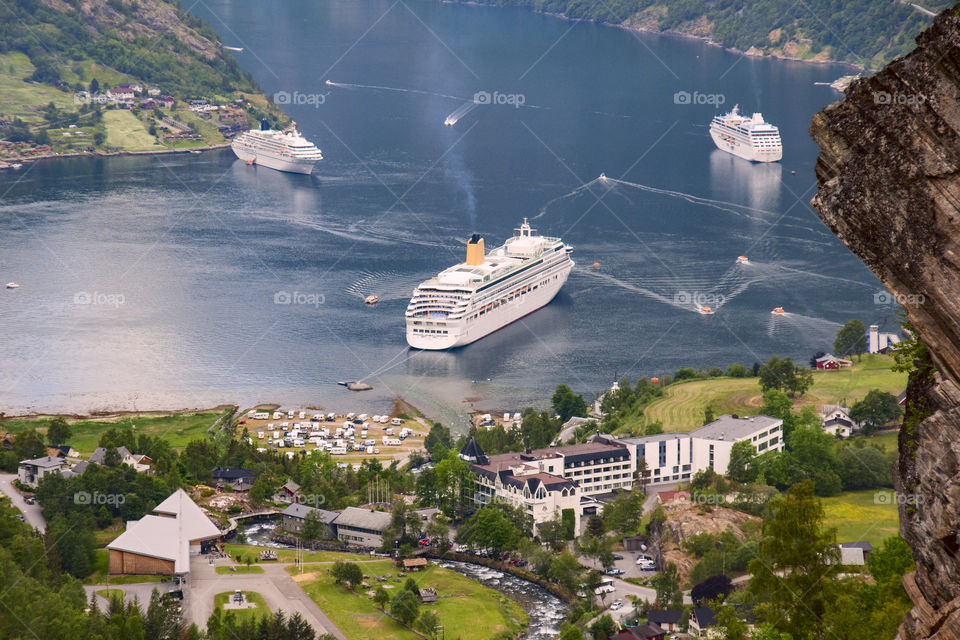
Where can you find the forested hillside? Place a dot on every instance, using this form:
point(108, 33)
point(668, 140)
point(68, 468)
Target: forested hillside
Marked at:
point(152, 41)
point(864, 32)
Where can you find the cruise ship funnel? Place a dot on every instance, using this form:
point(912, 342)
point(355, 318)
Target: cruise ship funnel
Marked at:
point(475, 252)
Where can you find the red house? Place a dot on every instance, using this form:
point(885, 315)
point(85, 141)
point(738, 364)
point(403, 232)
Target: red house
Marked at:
point(830, 361)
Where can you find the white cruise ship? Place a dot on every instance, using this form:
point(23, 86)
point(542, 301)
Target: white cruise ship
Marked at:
point(749, 138)
point(488, 291)
point(285, 150)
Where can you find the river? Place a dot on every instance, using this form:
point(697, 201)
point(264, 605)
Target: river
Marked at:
point(152, 282)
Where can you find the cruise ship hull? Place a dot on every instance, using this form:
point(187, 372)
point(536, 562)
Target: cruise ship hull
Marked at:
point(290, 165)
point(743, 149)
point(462, 333)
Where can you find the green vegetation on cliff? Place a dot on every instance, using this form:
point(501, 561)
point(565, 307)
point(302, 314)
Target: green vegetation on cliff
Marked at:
point(858, 31)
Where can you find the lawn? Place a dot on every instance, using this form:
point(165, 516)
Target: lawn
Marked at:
point(109, 594)
point(178, 429)
point(863, 515)
point(288, 555)
point(681, 409)
point(472, 612)
point(251, 596)
point(126, 131)
point(239, 569)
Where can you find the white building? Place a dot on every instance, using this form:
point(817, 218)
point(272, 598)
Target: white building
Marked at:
point(31, 471)
point(668, 456)
point(878, 342)
point(835, 419)
point(546, 482)
point(713, 442)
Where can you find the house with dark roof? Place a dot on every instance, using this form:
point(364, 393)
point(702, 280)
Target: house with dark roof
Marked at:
point(701, 620)
point(236, 478)
point(542, 481)
point(668, 619)
point(427, 595)
point(288, 492)
point(293, 517)
point(835, 419)
point(646, 631)
point(362, 527)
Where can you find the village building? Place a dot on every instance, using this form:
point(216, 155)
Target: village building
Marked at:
point(293, 517)
point(162, 542)
point(712, 443)
point(835, 419)
point(831, 362)
point(854, 553)
point(363, 527)
point(30, 472)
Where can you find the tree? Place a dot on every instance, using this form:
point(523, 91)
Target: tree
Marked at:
point(428, 623)
point(94, 86)
point(740, 467)
point(568, 404)
point(489, 528)
point(875, 410)
point(667, 585)
point(714, 588)
point(783, 375)
point(348, 572)
point(312, 527)
point(737, 370)
point(595, 526)
point(439, 434)
point(708, 416)
point(570, 632)
point(453, 478)
point(405, 606)
point(851, 339)
point(603, 627)
point(381, 597)
point(643, 474)
point(796, 561)
point(734, 628)
point(59, 431)
point(891, 561)
point(565, 571)
point(28, 445)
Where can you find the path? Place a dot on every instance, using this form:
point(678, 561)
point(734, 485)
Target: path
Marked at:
point(32, 513)
point(278, 589)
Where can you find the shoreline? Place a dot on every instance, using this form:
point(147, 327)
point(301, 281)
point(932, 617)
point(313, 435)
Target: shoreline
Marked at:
point(113, 154)
point(677, 34)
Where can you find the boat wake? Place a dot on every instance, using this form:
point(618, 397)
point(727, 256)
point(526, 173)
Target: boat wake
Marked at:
point(387, 285)
point(460, 111)
point(350, 85)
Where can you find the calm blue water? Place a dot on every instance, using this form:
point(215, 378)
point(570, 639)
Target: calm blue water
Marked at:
point(181, 257)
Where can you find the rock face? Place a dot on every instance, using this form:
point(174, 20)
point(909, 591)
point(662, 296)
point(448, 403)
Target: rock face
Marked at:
point(889, 178)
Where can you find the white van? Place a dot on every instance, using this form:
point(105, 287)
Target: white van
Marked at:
point(351, 416)
point(369, 449)
point(396, 422)
point(303, 414)
point(276, 435)
point(362, 416)
point(338, 451)
point(260, 434)
point(298, 443)
point(388, 430)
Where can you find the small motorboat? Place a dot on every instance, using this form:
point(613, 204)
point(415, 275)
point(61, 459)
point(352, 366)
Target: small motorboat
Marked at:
point(12, 285)
point(778, 311)
point(706, 311)
point(742, 260)
point(372, 299)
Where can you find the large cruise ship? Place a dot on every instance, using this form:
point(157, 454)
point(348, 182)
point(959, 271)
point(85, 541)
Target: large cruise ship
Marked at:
point(285, 150)
point(488, 291)
point(749, 138)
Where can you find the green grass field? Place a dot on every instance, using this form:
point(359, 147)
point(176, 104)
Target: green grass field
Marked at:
point(127, 132)
point(239, 569)
point(109, 594)
point(474, 612)
point(863, 515)
point(682, 407)
point(18, 99)
point(287, 555)
point(178, 428)
point(251, 596)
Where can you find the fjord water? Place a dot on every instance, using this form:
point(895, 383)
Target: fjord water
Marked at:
point(154, 281)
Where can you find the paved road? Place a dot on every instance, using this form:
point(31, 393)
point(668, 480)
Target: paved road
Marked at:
point(32, 513)
point(278, 589)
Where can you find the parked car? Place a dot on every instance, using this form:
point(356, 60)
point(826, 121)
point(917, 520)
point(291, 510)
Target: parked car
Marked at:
point(616, 557)
point(615, 572)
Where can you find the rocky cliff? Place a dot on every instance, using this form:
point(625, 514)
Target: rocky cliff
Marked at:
point(889, 178)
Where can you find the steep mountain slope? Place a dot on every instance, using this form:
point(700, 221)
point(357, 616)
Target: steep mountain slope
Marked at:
point(889, 176)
